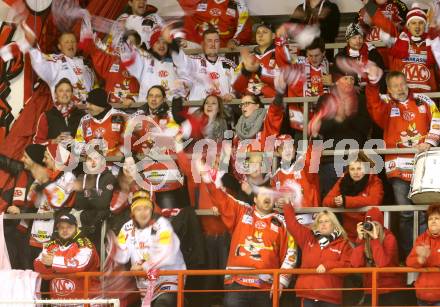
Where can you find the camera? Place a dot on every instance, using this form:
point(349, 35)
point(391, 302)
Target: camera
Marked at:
point(368, 225)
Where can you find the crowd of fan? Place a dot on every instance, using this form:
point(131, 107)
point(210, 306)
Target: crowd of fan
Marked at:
point(151, 203)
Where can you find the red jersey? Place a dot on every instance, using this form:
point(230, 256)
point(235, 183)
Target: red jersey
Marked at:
point(229, 17)
point(404, 124)
point(258, 241)
point(283, 180)
point(118, 82)
point(392, 10)
point(262, 81)
point(414, 58)
point(110, 128)
point(77, 256)
point(162, 175)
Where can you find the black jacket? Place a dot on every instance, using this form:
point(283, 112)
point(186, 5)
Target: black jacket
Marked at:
point(95, 203)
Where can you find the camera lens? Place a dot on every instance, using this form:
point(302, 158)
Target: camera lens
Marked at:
point(368, 226)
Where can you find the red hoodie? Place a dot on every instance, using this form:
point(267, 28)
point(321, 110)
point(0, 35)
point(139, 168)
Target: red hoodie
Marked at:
point(336, 255)
point(385, 254)
point(372, 195)
point(427, 280)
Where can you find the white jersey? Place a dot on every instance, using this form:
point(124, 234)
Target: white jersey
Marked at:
point(142, 25)
point(203, 76)
point(51, 68)
point(154, 247)
point(150, 71)
point(54, 196)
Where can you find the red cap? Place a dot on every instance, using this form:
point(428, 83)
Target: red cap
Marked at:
point(376, 215)
point(155, 35)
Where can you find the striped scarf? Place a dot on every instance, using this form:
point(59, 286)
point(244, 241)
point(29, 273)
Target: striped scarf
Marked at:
point(325, 240)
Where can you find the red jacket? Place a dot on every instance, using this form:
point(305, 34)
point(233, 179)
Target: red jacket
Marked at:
point(427, 280)
point(372, 195)
point(384, 255)
point(336, 255)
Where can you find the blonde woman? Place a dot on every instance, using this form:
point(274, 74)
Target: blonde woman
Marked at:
point(323, 247)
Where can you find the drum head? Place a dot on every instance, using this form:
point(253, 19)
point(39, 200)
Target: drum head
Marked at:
point(38, 6)
point(426, 197)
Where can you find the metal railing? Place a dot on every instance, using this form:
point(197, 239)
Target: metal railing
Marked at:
point(275, 273)
point(208, 212)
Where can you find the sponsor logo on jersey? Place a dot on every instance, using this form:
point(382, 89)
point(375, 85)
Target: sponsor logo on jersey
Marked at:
point(260, 225)
point(19, 194)
point(230, 12)
point(163, 73)
point(247, 219)
point(114, 68)
point(408, 116)
point(416, 72)
point(214, 75)
point(202, 7)
point(62, 286)
point(394, 112)
point(216, 12)
point(422, 109)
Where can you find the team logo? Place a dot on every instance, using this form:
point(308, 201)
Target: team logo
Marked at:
point(416, 72)
point(163, 74)
point(99, 133)
point(215, 12)
point(408, 116)
point(260, 225)
point(62, 286)
point(214, 75)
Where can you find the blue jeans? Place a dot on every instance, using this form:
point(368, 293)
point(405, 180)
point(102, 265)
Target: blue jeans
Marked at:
point(401, 189)
point(424, 303)
point(315, 303)
point(246, 299)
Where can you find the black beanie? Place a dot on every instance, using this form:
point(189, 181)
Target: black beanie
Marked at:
point(98, 97)
point(36, 153)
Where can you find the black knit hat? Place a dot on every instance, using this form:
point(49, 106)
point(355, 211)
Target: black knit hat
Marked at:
point(98, 97)
point(36, 153)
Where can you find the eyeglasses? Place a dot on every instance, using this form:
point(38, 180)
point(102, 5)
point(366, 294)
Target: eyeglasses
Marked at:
point(246, 103)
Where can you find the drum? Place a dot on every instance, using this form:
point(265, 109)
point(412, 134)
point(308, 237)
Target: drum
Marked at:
point(425, 184)
point(38, 6)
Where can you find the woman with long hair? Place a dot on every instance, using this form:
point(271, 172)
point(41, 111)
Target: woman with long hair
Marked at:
point(357, 188)
point(325, 246)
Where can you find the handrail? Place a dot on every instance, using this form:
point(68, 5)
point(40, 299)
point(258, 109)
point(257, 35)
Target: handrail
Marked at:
point(209, 212)
point(266, 101)
point(251, 47)
point(327, 152)
point(374, 271)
